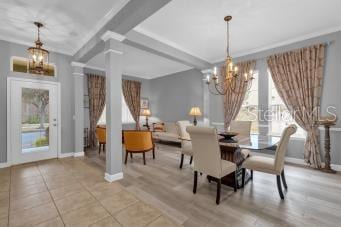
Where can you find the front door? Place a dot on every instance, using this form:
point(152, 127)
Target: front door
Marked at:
point(32, 120)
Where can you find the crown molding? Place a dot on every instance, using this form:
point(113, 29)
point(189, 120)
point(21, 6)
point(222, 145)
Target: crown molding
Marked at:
point(94, 68)
point(164, 40)
point(78, 64)
point(113, 51)
point(112, 35)
point(207, 71)
point(285, 43)
point(28, 44)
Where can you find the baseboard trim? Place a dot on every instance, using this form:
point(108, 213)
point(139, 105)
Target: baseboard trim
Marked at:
point(65, 155)
point(78, 154)
point(112, 178)
point(297, 161)
point(4, 165)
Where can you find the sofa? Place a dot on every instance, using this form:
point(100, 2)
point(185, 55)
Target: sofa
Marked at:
point(169, 133)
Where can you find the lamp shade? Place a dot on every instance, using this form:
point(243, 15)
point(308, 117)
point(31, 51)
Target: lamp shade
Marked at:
point(195, 111)
point(146, 112)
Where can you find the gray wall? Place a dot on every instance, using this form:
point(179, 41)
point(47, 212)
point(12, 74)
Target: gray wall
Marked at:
point(174, 95)
point(65, 78)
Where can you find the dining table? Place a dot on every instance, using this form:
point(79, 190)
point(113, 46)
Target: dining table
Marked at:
point(239, 148)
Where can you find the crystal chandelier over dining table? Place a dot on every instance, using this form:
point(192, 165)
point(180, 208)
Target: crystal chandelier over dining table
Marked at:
point(232, 73)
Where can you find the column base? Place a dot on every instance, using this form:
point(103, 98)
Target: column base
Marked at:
point(115, 177)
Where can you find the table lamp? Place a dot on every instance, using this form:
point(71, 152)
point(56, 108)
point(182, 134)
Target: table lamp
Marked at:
point(146, 113)
point(195, 111)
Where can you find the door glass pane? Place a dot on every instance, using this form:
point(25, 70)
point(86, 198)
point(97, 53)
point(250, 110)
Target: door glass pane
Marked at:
point(34, 120)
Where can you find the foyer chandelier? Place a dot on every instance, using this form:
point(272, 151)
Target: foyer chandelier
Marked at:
point(232, 73)
point(38, 57)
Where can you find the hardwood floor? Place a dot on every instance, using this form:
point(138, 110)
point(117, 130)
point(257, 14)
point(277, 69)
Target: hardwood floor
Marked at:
point(313, 197)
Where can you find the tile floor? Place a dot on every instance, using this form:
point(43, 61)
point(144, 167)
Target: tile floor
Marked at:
point(70, 192)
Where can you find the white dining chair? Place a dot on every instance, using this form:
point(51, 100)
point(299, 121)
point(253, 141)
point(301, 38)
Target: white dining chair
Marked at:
point(274, 165)
point(186, 144)
point(243, 128)
point(207, 157)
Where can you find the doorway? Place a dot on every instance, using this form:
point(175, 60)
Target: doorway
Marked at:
point(33, 120)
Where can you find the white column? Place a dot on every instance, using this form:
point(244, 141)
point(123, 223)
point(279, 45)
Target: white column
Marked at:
point(113, 61)
point(206, 96)
point(78, 74)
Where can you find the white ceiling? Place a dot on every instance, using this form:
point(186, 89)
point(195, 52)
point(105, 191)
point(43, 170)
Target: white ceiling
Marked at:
point(195, 27)
point(198, 28)
point(69, 23)
point(140, 63)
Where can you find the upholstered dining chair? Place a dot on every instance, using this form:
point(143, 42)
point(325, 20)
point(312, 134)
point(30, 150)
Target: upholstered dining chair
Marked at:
point(138, 142)
point(274, 165)
point(243, 128)
point(101, 134)
point(207, 157)
point(186, 144)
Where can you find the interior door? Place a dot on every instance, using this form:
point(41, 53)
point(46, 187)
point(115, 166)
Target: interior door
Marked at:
point(33, 120)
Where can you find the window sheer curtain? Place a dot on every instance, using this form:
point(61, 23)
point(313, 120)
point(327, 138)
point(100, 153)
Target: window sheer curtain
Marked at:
point(96, 91)
point(132, 95)
point(298, 77)
point(233, 100)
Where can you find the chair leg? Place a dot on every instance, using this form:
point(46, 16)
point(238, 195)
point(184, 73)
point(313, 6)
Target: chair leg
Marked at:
point(153, 152)
point(131, 155)
point(243, 177)
point(181, 161)
point(195, 181)
point(283, 180)
point(144, 158)
point(235, 181)
point(104, 147)
point(99, 149)
point(126, 158)
point(279, 186)
point(251, 178)
point(218, 191)
point(191, 160)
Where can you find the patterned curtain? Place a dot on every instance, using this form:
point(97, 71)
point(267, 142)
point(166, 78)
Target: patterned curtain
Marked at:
point(234, 100)
point(96, 91)
point(298, 77)
point(131, 92)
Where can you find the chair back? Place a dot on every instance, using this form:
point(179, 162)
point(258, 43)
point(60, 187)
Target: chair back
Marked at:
point(182, 125)
point(101, 134)
point(282, 146)
point(243, 128)
point(206, 149)
point(138, 140)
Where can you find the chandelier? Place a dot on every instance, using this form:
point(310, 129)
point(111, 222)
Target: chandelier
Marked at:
point(231, 77)
point(38, 57)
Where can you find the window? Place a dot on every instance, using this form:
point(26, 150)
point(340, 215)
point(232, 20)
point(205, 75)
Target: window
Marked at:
point(19, 64)
point(249, 109)
point(126, 115)
point(280, 116)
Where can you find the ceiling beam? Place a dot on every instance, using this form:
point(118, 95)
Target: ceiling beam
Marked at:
point(146, 43)
point(132, 14)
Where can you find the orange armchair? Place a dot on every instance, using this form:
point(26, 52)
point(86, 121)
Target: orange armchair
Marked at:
point(138, 142)
point(101, 134)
